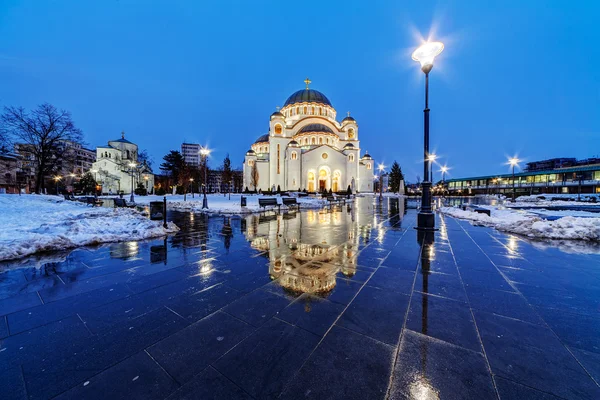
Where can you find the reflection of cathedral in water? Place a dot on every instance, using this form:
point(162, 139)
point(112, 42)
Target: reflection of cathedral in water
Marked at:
point(307, 249)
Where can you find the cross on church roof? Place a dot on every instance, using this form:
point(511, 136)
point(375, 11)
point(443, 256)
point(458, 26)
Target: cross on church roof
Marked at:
point(348, 113)
point(122, 134)
point(277, 108)
point(308, 82)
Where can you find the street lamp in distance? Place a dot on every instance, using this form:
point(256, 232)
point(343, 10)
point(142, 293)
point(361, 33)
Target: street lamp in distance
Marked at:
point(444, 169)
point(204, 152)
point(132, 166)
point(425, 55)
point(513, 163)
point(381, 168)
point(56, 179)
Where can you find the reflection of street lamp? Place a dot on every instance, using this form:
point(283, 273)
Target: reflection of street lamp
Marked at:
point(444, 169)
point(513, 162)
point(132, 165)
point(56, 179)
point(381, 168)
point(425, 55)
point(204, 152)
point(192, 186)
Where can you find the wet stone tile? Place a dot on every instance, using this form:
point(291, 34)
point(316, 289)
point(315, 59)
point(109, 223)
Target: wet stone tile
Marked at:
point(192, 349)
point(12, 385)
point(444, 285)
point(209, 384)
point(589, 360)
point(429, 368)
point(19, 302)
point(509, 304)
point(444, 319)
point(312, 313)
point(257, 307)
point(264, 362)
point(3, 328)
point(137, 377)
point(342, 293)
point(510, 390)
point(392, 279)
point(346, 365)
point(580, 331)
point(376, 313)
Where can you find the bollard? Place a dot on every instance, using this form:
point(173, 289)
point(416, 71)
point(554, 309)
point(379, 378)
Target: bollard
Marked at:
point(165, 212)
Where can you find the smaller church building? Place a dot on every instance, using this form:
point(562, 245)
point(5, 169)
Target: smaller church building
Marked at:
point(307, 148)
point(117, 169)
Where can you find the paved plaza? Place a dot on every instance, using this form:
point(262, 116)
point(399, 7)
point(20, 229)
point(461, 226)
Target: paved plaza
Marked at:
point(349, 303)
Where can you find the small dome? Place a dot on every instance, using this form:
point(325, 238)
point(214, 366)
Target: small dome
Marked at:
point(348, 119)
point(367, 156)
point(349, 146)
point(263, 138)
point(315, 128)
point(293, 143)
point(307, 96)
point(250, 152)
point(277, 114)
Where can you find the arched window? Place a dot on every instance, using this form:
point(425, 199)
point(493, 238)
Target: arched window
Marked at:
point(368, 165)
point(296, 110)
point(320, 111)
point(327, 140)
point(351, 158)
point(312, 111)
point(306, 141)
point(109, 155)
point(313, 141)
point(294, 155)
point(305, 110)
point(320, 140)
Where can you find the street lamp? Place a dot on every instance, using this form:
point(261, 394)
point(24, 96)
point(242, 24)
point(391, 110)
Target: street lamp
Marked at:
point(381, 167)
point(432, 157)
point(513, 162)
point(192, 186)
point(444, 169)
point(425, 55)
point(56, 179)
point(132, 166)
point(204, 152)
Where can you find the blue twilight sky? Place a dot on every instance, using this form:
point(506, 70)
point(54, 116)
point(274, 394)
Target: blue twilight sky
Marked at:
point(516, 77)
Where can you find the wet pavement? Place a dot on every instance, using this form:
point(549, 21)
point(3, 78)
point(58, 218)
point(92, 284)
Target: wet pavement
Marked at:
point(350, 303)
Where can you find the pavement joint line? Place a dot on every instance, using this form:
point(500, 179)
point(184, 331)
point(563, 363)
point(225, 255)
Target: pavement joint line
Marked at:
point(163, 369)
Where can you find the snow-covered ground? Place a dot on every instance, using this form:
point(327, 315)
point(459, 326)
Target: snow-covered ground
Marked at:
point(531, 225)
point(566, 200)
point(35, 223)
point(217, 203)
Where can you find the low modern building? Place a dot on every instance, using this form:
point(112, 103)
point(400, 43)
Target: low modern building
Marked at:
point(582, 177)
point(117, 170)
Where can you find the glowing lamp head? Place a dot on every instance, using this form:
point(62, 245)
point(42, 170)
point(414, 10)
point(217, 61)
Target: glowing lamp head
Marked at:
point(431, 157)
point(444, 169)
point(375, 177)
point(204, 151)
point(426, 53)
point(381, 167)
point(513, 161)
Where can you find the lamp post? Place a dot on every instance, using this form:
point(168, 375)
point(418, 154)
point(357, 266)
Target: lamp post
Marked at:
point(381, 168)
point(432, 157)
point(132, 166)
point(425, 55)
point(56, 179)
point(204, 152)
point(513, 162)
point(192, 186)
point(444, 169)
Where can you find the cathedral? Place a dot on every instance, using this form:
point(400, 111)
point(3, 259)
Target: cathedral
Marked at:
point(307, 148)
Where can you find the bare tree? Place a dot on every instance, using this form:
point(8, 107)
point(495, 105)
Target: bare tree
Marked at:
point(227, 174)
point(254, 176)
point(45, 133)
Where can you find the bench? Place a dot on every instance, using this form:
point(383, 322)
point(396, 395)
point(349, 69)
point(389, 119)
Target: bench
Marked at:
point(91, 201)
point(290, 202)
point(122, 203)
point(269, 202)
point(482, 211)
point(333, 200)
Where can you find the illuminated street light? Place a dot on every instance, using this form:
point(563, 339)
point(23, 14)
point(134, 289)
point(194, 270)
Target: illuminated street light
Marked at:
point(444, 169)
point(132, 167)
point(381, 167)
point(56, 179)
point(425, 55)
point(192, 186)
point(204, 152)
point(513, 162)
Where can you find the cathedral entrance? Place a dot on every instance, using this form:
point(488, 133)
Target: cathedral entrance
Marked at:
point(335, 186)
point(324, 179)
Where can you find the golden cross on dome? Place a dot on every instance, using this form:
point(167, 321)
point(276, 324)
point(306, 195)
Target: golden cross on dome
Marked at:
point(277, 108)
point(308, 82)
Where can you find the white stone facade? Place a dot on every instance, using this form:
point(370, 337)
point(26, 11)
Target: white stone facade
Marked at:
point(116, 168)
point(307, 148)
